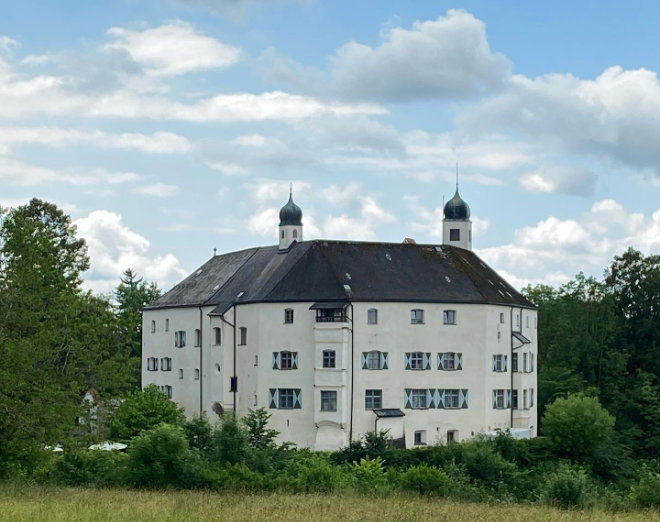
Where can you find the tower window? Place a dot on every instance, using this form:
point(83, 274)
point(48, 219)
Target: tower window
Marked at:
point(295, 234)
point(217, 336)
point(454, 234)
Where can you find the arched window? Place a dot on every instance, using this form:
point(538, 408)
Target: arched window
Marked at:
point(295, 234)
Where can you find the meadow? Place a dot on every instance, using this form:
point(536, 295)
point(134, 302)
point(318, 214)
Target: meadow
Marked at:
point(48, 503)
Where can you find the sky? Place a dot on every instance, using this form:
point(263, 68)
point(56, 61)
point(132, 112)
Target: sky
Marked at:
point(168, 128)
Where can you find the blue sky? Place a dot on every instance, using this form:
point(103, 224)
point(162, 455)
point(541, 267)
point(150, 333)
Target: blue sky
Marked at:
point(167, 128)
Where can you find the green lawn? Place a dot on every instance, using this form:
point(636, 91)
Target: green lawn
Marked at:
point(81, 504)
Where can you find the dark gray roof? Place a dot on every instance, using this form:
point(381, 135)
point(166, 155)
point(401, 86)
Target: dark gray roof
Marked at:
point(319, 270)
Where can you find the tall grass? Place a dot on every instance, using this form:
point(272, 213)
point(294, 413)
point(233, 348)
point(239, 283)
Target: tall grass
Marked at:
point(28, 503)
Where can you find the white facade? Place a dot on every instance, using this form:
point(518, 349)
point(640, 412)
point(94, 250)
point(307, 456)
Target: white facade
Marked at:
point(200, 378)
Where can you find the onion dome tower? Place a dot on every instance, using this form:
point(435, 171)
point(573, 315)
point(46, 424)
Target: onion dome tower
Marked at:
point(291, 227)
point(456, 224)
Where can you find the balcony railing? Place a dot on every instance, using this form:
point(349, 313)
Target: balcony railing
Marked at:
point(332, 319)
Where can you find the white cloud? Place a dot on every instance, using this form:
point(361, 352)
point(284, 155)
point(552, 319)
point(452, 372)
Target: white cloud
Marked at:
point(447, 57)
point(554, 250)
point(557, 179)
point(159, 190)
point(113, 248)
point(173, 49)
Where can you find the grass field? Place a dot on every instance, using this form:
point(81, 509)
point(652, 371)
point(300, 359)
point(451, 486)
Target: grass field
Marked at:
point(29, 503)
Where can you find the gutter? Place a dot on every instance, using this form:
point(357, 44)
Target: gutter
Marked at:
point(234, 378)
point(350, 430)
point(201, 366)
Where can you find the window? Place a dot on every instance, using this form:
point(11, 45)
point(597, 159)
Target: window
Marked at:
point(328, 358)
point(450, 361)
point(167, 325)
point(179, 338)
point(451, 399)
point(196, 374)
point(420, 438)
point(452, 436)
point(198, 337)
point(288, 316)
point(417, 361)
point(153, 326)
point(449, 317)
point(180, 373)
point(375, 360)
point(328, 401)
point(525, 362)
point(217, 336)
point(286, 398)
point(167, 390)
point(418, 399)
point(256, 360)
point(525, 399)
point(531, 397)
point(417, 316)
point(286, 360)
point(166, 364)
point(527, 321)
point(152, 364)
point(242, 336)
point(499, 399)
point(499, 363)
point(295, 234)
point(518, 321)
point(331, 315)
point(531, 362)
point(372, 316)
point(454, 234)
point(514, 399)
point(282, 234)
point(501, 317)
point(514, 362)
point(373, 399)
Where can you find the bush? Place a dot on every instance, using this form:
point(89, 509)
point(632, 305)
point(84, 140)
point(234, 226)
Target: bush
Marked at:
point(199, 433)
point(566, 487)
point(425, 480)
point(318, 476)
point(161, 458)
point(101, 468)
point(369, 476)
point(646, 493)
point(230, 442)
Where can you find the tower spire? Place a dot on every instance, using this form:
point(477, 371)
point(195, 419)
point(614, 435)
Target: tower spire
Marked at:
point(457, 176)
point(290, 189)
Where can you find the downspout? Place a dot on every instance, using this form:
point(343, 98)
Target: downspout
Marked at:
point(233, 326)
point(511, 343)
point(201, 366)
point(350, 430)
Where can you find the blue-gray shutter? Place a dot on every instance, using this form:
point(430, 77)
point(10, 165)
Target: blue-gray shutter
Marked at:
point(441, 361)
point(507, 403)
point(276, 360)
point(384, 361)
point(459, 361)
point(494, 398)
point(464, 398)
point(408, 356)
point(437, 399)
point(297, 398)
point(441, 399)
point(426, 362)
point(505, 363)
point(429, 399)
point(364, 360)
point(494, 363)
point(294, 357)
point(272, 397)
point(407, 398)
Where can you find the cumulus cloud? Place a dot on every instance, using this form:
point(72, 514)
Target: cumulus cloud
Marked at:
point(173, 49)
point(232, 8)
point(557, 179)
point(554, 250)
point(159, 190)
point(113, 247)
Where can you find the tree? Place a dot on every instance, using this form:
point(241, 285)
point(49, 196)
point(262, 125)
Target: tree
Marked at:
point(45, 350)
point(142, 411)
point(578, 426)
point(259, 436)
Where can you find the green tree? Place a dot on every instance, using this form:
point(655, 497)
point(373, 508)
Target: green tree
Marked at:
point(259, 436)
point(46, 349)
point(142, 411)
point(230, 442)
point(578, 426)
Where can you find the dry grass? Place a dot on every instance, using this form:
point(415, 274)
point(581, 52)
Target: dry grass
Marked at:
point(80, 504)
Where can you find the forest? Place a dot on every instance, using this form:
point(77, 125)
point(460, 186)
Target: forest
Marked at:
point(599, 396)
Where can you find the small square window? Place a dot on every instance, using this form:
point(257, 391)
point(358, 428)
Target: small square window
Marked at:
point(452, 436)
point(286, 360)
point(373, 399)
point(417, 316)
point(418, 399)
point(328, 401)
point(449, 317)
point(288, 316)
point(328, 358)
point(372, 316)
point(374, 360)
point(451, 399)
point(449, 361)
point(180, 339)
point(420, 438)
point(167, 390)
point(152, 364)
point(499, 363)
point(166, 364)
point(454, 234)
point(417, 361)
point(286, 398)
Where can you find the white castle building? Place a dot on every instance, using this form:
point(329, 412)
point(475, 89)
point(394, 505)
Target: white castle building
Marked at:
point(338, 338)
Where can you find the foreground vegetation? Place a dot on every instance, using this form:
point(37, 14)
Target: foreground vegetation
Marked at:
point(83, 504)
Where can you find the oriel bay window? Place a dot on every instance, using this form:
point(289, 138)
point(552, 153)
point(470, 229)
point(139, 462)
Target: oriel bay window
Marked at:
point(328, 401)
point(330, 312)
point(328, 358)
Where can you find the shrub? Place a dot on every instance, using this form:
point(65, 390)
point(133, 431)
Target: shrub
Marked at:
point(102, 468)
point(368, 475)
point(425, 480)
point(143, 411)
point(566, 487)
point(318, 476)
point(199, 433)
point(161, 457)
point(646, 493)
point(259, 436)
point(230, 442)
